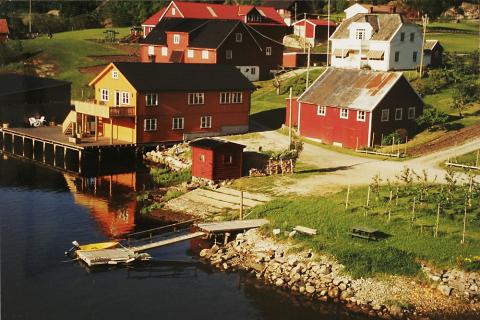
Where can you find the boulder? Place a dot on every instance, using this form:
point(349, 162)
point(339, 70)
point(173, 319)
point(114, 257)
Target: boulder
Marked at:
point(444, 289)
point(310, 289)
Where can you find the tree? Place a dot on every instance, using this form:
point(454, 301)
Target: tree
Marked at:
point(464, 93)
point(431, 117)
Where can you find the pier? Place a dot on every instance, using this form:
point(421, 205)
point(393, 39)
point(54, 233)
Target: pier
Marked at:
point(49, 146)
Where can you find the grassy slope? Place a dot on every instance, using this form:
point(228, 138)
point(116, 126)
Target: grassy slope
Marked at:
point(70, 51)
point(456, 42)
point(467, 26)
point(332, 221)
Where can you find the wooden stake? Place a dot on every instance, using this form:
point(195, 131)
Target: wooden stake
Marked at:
point(373, 140)
point(437, 222)
point(396, 197)
point(290, 120)
point(393, 144)
point(464, 225)
point(348, 195)
point(476, 161)
point(241, 205)
point(368, 196)
point(413, 209)
point(405, 150)
point(390, 205)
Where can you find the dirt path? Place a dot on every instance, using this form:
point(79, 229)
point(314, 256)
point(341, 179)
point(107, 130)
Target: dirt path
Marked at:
point(337, 170)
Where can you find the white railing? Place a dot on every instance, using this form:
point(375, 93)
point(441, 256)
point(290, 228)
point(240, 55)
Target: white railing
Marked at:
point(71, 118)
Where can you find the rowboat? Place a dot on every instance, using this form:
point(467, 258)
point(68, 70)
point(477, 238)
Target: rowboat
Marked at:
point(98, 246)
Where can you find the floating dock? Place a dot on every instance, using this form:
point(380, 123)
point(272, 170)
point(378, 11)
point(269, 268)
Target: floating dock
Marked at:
point(231, 226)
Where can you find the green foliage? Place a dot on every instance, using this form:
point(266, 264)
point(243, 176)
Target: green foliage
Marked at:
point(394, 137)
point(470, 263)
point(464, 93)
point(431, 117)
point(172, 194)
point(10, 51)
point(164, 177)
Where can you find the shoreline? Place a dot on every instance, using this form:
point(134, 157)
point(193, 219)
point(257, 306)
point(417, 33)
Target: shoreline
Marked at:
point(321, 278)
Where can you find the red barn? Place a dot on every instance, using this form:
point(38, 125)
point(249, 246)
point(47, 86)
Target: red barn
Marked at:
point(4, 31)
point(314, 30)
point(212, 42)
point(355, 108)
point(215, 159)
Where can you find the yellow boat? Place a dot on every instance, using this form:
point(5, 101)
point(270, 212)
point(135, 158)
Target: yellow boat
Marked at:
point(98, 246)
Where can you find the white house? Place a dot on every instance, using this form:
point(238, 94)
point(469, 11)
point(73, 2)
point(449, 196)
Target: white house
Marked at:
point(369, 8)
point(381, 41)
point(354, 10)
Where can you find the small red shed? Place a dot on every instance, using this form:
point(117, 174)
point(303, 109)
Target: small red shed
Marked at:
point(314, 30)
point(215, 159)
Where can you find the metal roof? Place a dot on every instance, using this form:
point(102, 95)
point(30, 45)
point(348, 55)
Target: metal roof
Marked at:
point(350, 88)
point(212, 143)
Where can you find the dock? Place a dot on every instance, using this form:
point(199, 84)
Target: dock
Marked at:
point(231, 226)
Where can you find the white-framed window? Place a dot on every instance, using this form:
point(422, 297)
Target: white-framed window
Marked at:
point(174, 11)
point(411, 113)
point(150, 124)
point(385, 115)
point(414, 56)
point(164, 51)
point(176, 38)
point(151, 50)
point(205, 54)
point(402, 36)
point(360, 34)
point(231, 97)
point(397, 56)
point(196, 98)
point(190, 53)
point(228, 159)
point(398, 114)
point(268, 51)
point(412, 37)
point(177, 123)
point(321, 110)
point(343, 113)
point(253, 71)
point(104, 94)
point(114, 74)
point(202, 158)
point(238, 37)
point(361, 115)
point(151, 99)
point(228, 54)
point(205, 122)
point(125, 97)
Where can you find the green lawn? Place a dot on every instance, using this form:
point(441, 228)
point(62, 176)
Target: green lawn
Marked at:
point(69, 51)
point(400, 251)
point(469, 159)
point(456, 42)
point(467, 26)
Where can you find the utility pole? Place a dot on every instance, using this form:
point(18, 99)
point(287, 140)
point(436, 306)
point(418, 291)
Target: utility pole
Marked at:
point(328, 34)
point(30, 18)
point(308, 69)
point(290, 120)
point(425, 22)
point(295, 17)
point(304, 31)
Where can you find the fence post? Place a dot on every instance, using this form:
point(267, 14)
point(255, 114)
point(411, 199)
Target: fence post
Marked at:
point(348, 195)
point(241, 205)
point(464, 225)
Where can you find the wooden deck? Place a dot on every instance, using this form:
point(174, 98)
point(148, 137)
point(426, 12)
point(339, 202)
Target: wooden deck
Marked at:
point(228, 226)
point(106, 256)
point(167, 241)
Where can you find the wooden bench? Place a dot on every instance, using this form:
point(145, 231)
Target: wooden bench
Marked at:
point(364, 233)
point(305, 230)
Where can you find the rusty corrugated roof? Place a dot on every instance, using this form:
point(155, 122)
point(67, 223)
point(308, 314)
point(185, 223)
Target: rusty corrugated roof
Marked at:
point(350, 88)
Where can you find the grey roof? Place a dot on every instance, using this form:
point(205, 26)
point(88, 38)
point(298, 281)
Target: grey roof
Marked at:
point(203, 33)
point(384, 25)
point(213, 143)
point(155, 77)
point(16, 83)
point(430, 44)
point(350, 88)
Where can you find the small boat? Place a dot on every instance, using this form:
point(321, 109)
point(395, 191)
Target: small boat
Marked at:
point(90, 247)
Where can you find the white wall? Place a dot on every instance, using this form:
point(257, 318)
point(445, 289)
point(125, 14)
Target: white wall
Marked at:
point(354, 9)
point(406, 48)
point(353, 60)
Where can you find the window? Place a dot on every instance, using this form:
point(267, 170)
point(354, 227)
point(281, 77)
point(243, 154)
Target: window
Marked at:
point(150, 124)
point(253, 71)
point(196, 98)
point(411, 113)
point(385, 115)
point(164, 51)
point(228, 54)
point(412, 37)
point(361, 115)
point(190, 53)
point(397, 56)
point(268, 51)
point(402, 36)
point(173, 11)
point(360, 34)
point(238, 37)
point(344, 113)
point(321, 110)
point(205, 122)
point(204, 54)
point(151, 50)
point(228, 159)
point(104, 94)
point(230, 97)
point(125, 97)
point(151, 99)
point(202, 158)
point(114, 74)
point(177, 123)
point(414, 56)
point(176, 38)
point(398, 114)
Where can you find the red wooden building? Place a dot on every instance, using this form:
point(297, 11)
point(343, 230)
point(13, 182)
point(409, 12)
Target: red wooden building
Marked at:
point(212, 41)
point(4, 31)
point(314, 31)
point(263, 19)
point(215, 159)
point(355, 108)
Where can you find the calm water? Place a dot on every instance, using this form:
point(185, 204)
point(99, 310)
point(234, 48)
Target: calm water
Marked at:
point(42, 211)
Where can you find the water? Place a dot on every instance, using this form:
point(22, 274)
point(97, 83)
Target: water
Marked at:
point(42, 211)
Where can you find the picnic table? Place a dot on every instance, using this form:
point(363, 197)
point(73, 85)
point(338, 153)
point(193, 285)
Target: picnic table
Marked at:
point(364, 233)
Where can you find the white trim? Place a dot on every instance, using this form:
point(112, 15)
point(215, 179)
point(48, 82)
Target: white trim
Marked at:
point(388, 115)
point(176, 38)
point(341, 111)
point(190, 53)
point(208, 122)
point(323, 109)
point(168, 7)
point(395, 33)
point(164, 51)
point(414, 113)
point(401, 114)
point(173, 123)
point(364, 115)
point(299, 116)
point(370, 128)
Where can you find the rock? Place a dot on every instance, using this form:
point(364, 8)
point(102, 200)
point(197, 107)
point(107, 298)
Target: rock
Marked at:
point(435, 278)
point(444, 289)
point(342, 286)
point(325, 270)
point(396, 311)
point(336, 281)
point(310, 289)
point(276, 232)
point(279, 282)
point(225, 266)
point(205, 253)
point(292, 262)
point(323, 292)
point(301, 289)
point(292, 234)
point(214, 249)
point(333, 292)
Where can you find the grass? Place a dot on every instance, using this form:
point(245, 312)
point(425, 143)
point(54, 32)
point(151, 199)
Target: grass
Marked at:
point(462, 26)
point(469, 159)
point(397, 254)
point(69, 51)
point(456, 42)
point(164, 177)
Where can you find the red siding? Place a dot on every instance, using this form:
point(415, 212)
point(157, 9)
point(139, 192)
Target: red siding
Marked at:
point(214, 166)
point(309, 30)
point(289, 60)
point(197, 57)
point(183, 40)
point(175, 104)
point(202, 169)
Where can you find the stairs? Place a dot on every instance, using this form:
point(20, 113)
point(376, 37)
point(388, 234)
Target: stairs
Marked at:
point(68, 124)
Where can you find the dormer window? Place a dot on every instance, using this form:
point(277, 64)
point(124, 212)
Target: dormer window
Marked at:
point(176, 38)
point(360, 34)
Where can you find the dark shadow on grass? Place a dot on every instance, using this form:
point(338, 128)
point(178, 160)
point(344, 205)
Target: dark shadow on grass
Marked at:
point(322, 170)
point(267, 120)
point(454, 126)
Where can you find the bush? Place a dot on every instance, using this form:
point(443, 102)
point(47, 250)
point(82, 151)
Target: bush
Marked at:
point(431, 117)
point(398, 135)
point(164, 177)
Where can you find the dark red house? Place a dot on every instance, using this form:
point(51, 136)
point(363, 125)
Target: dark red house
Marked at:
point(263, 19)
point(212, 42)
point(215, 159)
point(355, 108)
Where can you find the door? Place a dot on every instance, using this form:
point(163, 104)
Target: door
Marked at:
point(117, 99)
